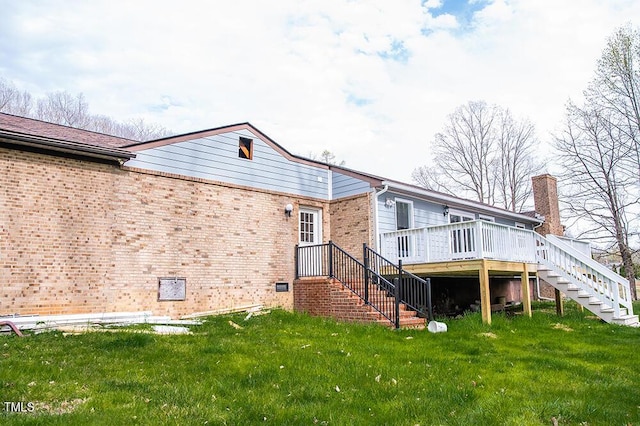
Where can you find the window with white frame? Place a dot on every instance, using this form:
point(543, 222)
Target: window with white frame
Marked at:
point(404, 220)
point(404, 214)
point(462, 238)
point(456, 216)
point(487, 218)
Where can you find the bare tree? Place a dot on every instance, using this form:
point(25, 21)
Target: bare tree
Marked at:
point(140, 130)
point(63, 108)
point(430, 177)
point(484, 153)
point(327, 157)
point(616, 86)
point(463, 150)
point(600, 150)
point(13, 101)
point(73, 110)
point(517, 144)
point(600, 178)
point(104, 124)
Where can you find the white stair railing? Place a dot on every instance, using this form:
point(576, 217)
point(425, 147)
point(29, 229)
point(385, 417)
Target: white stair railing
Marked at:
point(585, 273)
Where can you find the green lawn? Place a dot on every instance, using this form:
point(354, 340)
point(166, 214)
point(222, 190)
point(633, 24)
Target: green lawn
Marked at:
point(286, 368)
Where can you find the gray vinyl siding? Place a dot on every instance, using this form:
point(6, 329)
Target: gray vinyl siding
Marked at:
point(428, 214)
point(345, 186)
point(216, 158)
point(424, 214)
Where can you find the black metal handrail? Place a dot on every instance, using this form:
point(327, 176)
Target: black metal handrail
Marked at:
point(415, 292)
point(377, 281)
point(329, 260)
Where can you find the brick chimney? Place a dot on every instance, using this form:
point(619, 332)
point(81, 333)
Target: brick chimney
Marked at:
point(545, 198)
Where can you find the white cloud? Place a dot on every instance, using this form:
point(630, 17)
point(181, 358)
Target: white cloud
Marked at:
point(371, 81)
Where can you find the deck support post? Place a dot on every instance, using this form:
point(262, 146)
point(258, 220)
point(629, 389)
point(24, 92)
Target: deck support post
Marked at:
point(526, 291)
point(559, 304)
point(485, 295)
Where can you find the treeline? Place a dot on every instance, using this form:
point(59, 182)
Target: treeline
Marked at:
point(73, 110)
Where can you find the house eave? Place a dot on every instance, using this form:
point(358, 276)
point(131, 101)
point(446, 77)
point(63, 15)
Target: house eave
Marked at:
point(64, 147)
point(456, 202)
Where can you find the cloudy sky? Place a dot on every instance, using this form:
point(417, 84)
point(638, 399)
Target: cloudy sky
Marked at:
point(370, 80)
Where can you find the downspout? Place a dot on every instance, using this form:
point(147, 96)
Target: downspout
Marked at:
point(375, 209)
point(538, 295)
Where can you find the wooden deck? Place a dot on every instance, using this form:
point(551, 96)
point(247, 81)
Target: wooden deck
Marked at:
point(483, 269)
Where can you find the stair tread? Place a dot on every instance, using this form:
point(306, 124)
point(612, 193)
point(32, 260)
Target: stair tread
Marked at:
point(624, 317)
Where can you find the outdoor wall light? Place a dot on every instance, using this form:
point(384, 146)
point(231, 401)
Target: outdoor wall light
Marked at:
point(389, 202)
point(445, 210)
point(288, 209)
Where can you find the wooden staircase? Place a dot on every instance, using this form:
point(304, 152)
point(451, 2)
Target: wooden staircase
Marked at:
point(594, 304)
point(590, 284)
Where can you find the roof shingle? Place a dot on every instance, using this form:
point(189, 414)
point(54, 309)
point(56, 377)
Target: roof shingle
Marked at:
point(30, 126)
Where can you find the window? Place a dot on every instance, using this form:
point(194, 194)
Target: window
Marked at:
point(245, 148)
point(462, 237)
point(521, 240)
point(403, 215)
point(487, 218)
point(459, 216)
point(307, 227)
point(404, 220)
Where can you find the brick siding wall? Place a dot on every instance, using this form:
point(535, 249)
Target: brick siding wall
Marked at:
point(77, 236)
point(352, 223)
point(55, 233)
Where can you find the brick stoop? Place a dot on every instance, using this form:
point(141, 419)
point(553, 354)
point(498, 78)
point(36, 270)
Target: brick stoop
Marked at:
point(328, 297)
point(408, 319)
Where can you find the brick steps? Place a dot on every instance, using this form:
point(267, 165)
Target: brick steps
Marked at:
point(408, 318)
point(329, 298)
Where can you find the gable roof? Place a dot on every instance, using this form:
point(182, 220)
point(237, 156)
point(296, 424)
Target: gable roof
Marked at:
point(63, 138)
point(435, 196)
point(138, 146)
point(39, 135)
point(33, 127)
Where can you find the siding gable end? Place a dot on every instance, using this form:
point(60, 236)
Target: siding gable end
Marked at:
point(215, 156)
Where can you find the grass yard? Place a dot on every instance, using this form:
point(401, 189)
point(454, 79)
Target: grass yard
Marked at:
point(285, 368)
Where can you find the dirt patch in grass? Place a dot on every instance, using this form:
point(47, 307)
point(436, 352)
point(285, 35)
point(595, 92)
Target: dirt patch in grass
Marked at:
point(563, 327)
point(58, 407)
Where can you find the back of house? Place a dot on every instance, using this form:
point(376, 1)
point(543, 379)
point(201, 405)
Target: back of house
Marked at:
point(189, 223)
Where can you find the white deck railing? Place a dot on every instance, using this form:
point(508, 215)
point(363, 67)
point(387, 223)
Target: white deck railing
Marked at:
point(588, 275)
point(486, 240)
point(476, 239)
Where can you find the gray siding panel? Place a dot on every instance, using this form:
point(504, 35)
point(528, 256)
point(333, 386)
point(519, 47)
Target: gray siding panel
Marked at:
point(216, 158)
point(424, 214)
point(345, 186)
